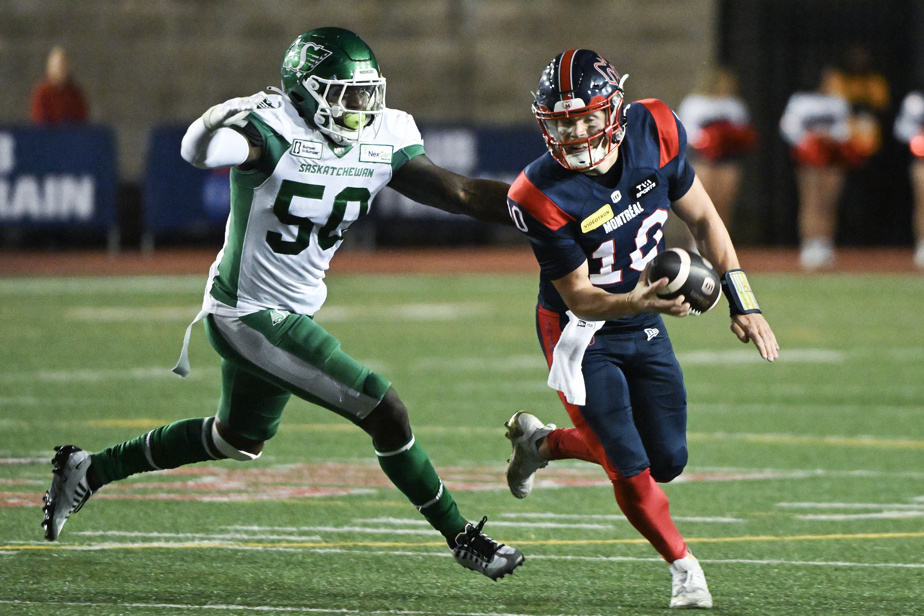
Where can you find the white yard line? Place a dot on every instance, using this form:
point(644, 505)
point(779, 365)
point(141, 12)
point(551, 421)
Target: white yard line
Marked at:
point(262, 609)
point(438, 551)
point(841, 505)
point(741, 356)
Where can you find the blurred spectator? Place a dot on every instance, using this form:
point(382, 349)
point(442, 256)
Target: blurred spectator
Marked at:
point(58, 99)
point(867, 91)
point(909, 129)
point(816, 125)
point(720, 133)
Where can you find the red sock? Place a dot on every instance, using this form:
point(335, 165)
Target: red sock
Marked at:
point(568, 444)
point(641, 500)
point(645, 505)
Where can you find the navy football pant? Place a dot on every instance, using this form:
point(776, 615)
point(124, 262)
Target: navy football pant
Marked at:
point(636, 400)
point(634, 425)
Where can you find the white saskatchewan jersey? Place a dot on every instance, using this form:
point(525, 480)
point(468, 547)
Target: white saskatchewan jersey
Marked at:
point(289, 214)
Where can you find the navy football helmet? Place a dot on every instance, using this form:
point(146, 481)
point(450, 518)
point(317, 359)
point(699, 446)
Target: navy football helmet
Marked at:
point(574, 86)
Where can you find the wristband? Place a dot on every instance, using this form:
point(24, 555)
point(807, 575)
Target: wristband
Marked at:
point(738, 292)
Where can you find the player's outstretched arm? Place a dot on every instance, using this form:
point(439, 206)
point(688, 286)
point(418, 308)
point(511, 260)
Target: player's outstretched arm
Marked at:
point(425, 182)
point(747, 323)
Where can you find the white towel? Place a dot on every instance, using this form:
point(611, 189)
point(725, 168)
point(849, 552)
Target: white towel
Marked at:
point(565, 374)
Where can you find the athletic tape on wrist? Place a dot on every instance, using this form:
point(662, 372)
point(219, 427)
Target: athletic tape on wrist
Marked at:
point(738, 291)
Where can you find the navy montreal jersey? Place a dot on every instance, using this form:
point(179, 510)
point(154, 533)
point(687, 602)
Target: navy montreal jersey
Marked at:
point(569, 218)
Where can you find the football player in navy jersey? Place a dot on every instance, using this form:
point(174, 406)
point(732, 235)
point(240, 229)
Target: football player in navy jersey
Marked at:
point(593, 209)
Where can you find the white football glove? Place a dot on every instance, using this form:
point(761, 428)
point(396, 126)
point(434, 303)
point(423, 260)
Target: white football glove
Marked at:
point(231, 112)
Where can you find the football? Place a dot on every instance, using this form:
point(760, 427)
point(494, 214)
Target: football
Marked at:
point(689, 275)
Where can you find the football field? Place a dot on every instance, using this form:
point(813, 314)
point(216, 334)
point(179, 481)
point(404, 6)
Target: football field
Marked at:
point(804, 494)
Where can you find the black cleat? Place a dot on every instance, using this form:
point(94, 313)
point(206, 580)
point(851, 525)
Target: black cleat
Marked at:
point(69, 488)
point(476, 551)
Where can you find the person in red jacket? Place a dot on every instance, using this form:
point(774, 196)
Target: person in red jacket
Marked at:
point(58, 99)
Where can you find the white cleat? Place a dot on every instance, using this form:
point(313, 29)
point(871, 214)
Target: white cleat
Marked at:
point(524, 430)
point(688, 586)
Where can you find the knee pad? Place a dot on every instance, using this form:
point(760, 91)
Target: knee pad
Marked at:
point(230, 450)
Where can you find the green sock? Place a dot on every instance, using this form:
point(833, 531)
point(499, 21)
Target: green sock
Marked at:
point(182, 442)
point(409, 468)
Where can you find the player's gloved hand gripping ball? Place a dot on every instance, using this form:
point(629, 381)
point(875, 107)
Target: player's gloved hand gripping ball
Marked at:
point(689, 275)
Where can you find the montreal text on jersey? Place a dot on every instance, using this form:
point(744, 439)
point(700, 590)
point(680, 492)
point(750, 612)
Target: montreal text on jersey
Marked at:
point(623, 217)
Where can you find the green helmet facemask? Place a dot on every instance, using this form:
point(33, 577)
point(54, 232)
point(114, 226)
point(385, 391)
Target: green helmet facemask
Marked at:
point(333, 79)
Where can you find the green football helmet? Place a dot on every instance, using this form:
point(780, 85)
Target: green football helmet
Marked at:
point(333, 79)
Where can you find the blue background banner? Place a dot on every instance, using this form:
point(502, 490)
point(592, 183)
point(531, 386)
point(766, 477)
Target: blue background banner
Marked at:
point(58, 177)
point(179, 198)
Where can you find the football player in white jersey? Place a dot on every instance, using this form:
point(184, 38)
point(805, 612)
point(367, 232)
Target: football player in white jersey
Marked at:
point(306, 160)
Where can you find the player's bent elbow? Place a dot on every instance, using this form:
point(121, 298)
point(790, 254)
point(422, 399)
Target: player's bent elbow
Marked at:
point(193, 154)
point(195, 162)
point(213, 149)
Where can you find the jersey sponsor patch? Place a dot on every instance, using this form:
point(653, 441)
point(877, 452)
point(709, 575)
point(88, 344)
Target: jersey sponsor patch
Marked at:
point(644, 187)
point(374, 153)
point(596, 219)
point(306, 149)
